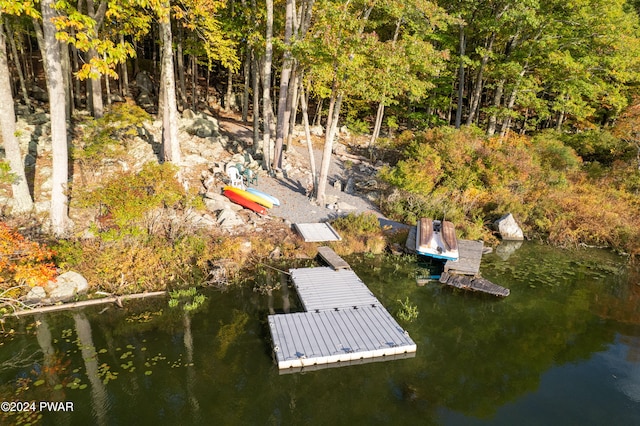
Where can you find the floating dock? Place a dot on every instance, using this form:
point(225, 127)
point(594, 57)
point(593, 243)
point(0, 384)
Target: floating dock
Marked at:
point(344, 324)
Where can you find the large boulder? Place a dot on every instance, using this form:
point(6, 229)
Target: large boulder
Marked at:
point(509, 228)
point(67, 286)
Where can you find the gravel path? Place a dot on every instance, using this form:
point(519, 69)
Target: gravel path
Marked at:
point(295, 205)
point(291, 189)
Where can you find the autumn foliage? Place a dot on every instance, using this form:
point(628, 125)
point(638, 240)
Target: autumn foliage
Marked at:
point(23, 262)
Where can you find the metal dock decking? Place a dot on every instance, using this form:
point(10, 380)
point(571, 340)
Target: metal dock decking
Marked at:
point(344, 324)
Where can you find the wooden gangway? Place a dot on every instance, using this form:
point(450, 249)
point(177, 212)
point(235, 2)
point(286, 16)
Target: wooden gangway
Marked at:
point(332, 259)
point(343, 324)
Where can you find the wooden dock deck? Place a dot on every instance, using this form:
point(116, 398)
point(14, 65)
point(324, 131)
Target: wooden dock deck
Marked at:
point(464, 272)
point(344, 324)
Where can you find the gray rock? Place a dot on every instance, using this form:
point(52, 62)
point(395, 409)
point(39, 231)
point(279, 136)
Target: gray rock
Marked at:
point(227, 218)
point(349, 187)
point(509, 228)
point(216, 204)
point(144, 83)
point(35, 295)
point(188, 114)
point(67, 286)
point(317, 130)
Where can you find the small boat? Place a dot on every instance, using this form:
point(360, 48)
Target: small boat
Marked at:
point(436, 239)
point(259, 193)
point(239, 199)
point(249, 196)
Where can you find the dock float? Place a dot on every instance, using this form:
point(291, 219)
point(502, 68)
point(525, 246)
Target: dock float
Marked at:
point(343, 324)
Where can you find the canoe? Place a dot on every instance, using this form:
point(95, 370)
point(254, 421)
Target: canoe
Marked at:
point(437, 239)
point(259, 193)
point(239, 199)
point(249, 196)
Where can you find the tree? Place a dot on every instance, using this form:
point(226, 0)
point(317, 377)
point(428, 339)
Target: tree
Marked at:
point(22, 201)
point(58, 211)
point(170, 142)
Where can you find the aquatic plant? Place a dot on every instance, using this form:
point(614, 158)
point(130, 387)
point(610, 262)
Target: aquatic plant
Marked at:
point(408, 311)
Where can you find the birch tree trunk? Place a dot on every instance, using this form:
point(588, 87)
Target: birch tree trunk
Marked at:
point(59, 177)
point(170, 143)
point(284, 86)
point(256, 100)
point(307, 134)
point(266, 87)
point(22, 201)
point(332, 125)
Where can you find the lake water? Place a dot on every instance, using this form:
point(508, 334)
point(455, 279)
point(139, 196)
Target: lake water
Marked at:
point(562, 349)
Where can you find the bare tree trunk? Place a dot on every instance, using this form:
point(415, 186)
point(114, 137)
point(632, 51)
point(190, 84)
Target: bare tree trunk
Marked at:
point(246, 68)
point(332, 125)
point(180, 64)
point(97, 107)
point(284, 86)
point(170, 142)
point(229, 94)
point(307, 134)
point(460, 78)
point(292, 106)
point(377, 125)
point(124, 73)
point(266, 88)
point(477, 88)
point(16, 61)
point(22, 201)
point(497, 99)
point(194, 82)
point(255, 76)
point(60, 173)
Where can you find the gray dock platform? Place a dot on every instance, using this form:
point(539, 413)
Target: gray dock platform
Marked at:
point(344, 324)
point(317, 232)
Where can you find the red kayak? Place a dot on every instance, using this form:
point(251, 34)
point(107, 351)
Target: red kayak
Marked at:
point(239, 199)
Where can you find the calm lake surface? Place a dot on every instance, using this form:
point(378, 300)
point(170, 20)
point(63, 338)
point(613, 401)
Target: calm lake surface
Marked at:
point(562, 349)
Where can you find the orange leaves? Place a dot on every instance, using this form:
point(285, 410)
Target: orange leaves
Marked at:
point(23, 261)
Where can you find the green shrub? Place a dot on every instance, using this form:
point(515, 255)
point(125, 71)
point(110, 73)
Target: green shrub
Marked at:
point(106, 137)
point(128, 202)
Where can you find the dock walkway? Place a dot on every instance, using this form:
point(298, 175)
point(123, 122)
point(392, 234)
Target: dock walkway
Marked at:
point(332, 259)
point(344, 324)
